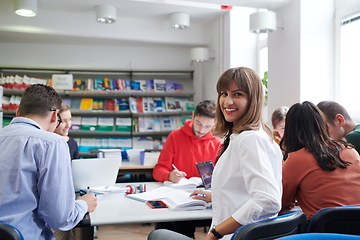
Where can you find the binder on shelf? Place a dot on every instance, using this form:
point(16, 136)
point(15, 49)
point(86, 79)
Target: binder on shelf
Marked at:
point(75, 103)
point(123, 124)
point(122, 105)
point(105, 124)
point(109, 105)
point(159, 85)
point(75, 123)
point(86, 104)
point(88, 123)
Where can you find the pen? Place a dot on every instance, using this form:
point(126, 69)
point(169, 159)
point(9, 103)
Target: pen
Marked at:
point(174, 167)
point(87, 189)
point(200, 194)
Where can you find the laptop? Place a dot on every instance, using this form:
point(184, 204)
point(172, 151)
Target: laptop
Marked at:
point(95, 172)
point(205, 170)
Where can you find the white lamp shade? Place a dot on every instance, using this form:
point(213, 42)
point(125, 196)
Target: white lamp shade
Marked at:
point(105, 14)
point(263, 22)
point(25, 8)
point(199, 54)
point(180, 20)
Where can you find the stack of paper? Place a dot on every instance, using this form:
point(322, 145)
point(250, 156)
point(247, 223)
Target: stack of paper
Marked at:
point(109, 153)
point(150, 158)
point(108, 192)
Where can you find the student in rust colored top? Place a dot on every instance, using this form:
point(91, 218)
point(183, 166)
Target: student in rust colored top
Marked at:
point(318, 172)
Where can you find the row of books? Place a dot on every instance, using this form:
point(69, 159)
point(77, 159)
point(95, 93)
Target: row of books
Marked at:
point(10, 102)
point(132, 104)
point(88, 144)
point(158, 104)
point(157, 124)
point(149, 85)
point(97, 104)
point(107, 124)
point(127, 124)
point(18, 82)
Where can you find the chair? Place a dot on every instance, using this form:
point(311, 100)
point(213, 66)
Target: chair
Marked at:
point(9, 232)
point(343, 219)
point(272, 228)
point(320, 236)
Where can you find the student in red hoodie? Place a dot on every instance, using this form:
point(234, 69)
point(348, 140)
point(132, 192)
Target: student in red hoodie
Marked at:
point(184, 147)
point(189, 145)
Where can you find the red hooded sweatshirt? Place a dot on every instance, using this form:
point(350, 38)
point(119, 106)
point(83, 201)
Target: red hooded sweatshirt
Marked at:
point(183, 149)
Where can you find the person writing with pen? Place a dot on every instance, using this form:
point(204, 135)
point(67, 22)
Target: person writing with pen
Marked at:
point(246, 183)
point(189, 145)
point(185, 147)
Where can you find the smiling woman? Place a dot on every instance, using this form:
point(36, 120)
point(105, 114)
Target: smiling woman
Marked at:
point(63, 130)
point(248, 147)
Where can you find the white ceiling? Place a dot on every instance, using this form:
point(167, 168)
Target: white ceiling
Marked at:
point(146, 21)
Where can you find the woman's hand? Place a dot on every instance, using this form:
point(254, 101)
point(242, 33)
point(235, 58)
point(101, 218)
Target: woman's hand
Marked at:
point(202, 195)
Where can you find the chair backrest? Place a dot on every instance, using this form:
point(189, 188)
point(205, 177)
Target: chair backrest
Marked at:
point(9, 232)
point(343, 219)
point(277, 227)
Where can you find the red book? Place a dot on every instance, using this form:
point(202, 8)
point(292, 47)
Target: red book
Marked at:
point(109, 105)
point(139, 101)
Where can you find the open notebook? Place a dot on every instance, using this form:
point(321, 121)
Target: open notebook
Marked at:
point(94, 172)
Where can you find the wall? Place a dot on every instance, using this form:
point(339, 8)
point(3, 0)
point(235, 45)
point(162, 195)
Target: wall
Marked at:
point(301, 55)
point(233, 46)
point(127, 57)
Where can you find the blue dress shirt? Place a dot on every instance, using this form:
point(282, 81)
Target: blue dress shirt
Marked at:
point(36, 186)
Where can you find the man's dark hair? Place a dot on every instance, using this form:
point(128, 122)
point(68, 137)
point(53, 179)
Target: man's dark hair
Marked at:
point(206, 108)
point(331, 108)
point(38, 99)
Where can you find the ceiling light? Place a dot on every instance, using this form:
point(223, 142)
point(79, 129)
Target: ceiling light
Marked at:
point(263, 22)
point(105, 14)
point(180, 20)
point(25, 8)
point(199, 54)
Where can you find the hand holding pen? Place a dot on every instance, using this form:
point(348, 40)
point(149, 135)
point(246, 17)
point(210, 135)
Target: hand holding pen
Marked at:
point(202, 195)
point(176, 175)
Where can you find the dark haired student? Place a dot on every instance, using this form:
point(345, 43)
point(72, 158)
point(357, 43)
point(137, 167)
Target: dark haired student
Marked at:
point(37, 191)
point(189, 145)
point(318, 172)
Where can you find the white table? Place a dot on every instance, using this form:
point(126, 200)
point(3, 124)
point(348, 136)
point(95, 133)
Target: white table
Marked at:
point(125, 210)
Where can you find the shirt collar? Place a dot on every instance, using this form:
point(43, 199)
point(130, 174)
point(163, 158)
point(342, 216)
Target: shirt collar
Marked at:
point(24, 120)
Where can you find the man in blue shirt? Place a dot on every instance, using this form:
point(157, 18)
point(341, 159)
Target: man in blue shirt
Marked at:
point(36, 187)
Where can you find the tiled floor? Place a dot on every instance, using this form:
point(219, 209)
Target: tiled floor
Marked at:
point(133, 232)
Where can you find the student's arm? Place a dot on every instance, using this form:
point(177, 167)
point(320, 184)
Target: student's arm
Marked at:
point(163, 167)
point(226, 227)
point(258, 172)
point(289, 182)
point(57, 204)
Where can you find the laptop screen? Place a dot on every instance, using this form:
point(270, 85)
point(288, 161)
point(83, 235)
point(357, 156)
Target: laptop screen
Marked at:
point(95, 172)
point(205, 170)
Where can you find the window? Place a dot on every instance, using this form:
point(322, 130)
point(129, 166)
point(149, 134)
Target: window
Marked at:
point(350, 65)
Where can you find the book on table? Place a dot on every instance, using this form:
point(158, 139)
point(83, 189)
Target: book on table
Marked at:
point(176, 199)
point(185, 183)
point(181, 201)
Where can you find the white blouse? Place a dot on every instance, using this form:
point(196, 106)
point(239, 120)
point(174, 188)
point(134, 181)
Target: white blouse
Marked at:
point(246, 181)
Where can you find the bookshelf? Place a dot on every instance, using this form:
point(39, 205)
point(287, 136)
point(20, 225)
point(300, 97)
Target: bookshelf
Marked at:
point(185, 78)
